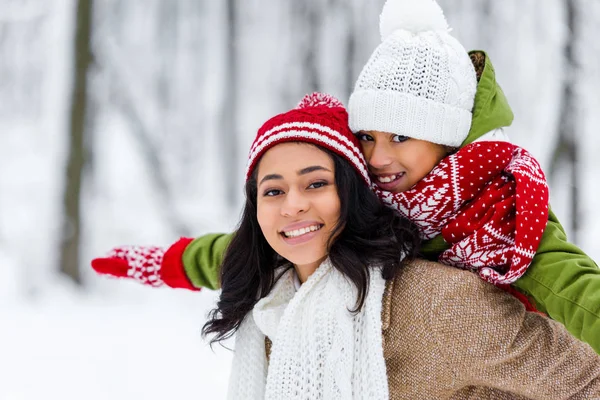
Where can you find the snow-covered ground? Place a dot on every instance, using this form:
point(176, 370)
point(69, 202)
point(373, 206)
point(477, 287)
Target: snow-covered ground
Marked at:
point(133, 343)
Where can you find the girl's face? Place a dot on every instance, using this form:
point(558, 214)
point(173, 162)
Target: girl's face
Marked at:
point(297, 203)
point(397, 163)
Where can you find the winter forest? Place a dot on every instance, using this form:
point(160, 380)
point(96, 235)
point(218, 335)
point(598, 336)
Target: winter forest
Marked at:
point(129, 122)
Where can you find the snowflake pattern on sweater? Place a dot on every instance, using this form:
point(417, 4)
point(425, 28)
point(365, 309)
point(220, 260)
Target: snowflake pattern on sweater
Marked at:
point(489, 201)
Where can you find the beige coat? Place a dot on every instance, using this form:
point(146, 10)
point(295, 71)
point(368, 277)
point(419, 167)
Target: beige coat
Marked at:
point(449, 335)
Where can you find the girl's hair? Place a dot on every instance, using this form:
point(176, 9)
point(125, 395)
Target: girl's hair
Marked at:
point(367, 233)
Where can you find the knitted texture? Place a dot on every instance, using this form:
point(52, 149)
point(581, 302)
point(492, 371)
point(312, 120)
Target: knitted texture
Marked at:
point(319, 119)
point(490, 203)
point(149, 265)
point(417, 83)
point(320, 350)
point(141, 263)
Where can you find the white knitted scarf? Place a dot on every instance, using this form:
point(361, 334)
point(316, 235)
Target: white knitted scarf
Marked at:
point(320, 350)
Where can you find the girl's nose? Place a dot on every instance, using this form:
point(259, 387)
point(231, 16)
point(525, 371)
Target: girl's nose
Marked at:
point(381, 156)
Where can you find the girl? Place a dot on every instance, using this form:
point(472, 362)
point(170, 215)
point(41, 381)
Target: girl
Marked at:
point(318, 287)
point(484, 207)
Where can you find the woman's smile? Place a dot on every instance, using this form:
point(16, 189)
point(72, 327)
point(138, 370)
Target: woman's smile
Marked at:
point(301, 235)
point(300, 229)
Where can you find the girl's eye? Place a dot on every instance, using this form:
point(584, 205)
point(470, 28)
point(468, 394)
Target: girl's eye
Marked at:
point(400, 138)
point(364, 137)
point(317, 185)
point(272, 193)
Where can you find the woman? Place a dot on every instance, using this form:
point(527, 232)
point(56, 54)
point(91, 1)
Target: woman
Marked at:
point(313, 285)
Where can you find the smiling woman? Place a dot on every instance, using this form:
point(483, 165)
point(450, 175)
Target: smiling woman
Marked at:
point(311, 225)
point(307, 200)
point(319, 287)
point(298, 206)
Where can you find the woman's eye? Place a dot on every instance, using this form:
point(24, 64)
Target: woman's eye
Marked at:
point(317, 185)
point(364, 137)
point(272, 192)
point(400, 138)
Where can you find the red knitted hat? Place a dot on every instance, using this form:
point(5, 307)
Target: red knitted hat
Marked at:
point(319, 119)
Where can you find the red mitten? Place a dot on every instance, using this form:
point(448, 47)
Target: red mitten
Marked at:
point(150, 265)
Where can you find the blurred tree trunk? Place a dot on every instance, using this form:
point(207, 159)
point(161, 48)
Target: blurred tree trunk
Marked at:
point(229, 108)
point(350, 50)
point(309, 15)
point(313, 21)
point(70, 235)
point(566, 151)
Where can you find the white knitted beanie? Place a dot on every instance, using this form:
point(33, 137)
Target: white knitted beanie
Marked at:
point(419, 82)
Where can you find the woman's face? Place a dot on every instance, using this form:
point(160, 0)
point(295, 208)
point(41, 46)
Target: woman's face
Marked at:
point(297, 202)
point(397, 163)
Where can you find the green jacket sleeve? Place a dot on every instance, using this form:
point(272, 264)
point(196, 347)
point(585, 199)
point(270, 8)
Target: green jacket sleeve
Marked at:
point(565, 284)
point(202, 259)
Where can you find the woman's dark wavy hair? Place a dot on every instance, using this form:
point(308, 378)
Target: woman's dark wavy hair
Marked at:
point(367, 233)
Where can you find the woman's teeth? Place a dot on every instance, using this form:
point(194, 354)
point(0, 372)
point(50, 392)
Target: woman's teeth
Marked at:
point(390, 178)
point(303, 231)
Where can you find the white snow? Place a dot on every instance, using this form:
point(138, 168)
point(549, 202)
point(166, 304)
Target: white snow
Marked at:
point(68, 345)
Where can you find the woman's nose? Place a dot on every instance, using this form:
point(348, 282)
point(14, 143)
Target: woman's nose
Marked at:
point(295, 203)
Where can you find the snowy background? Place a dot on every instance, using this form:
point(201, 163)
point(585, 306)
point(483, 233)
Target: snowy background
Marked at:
point(175, 91)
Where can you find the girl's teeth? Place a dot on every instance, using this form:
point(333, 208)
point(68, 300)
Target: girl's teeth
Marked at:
point(388, 179)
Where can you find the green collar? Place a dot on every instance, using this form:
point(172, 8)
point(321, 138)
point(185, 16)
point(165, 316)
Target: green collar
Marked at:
point(491, 109)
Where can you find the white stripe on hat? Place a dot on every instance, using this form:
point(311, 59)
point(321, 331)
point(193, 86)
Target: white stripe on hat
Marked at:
point(350, 151)
point(310, 125)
